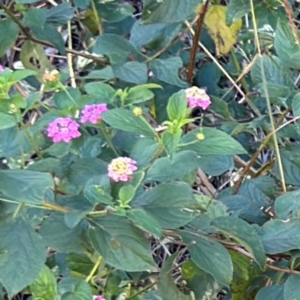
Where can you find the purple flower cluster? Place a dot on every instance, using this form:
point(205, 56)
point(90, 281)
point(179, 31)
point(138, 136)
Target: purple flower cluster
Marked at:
point(197, 97)
point(63, 130)
point(98, 298)
point(92, 113)
point(1, 68)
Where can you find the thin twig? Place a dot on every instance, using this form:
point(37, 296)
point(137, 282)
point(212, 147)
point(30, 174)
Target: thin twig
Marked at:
point(195, 42)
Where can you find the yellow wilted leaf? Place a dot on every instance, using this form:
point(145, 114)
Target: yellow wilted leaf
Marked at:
point(224, 36)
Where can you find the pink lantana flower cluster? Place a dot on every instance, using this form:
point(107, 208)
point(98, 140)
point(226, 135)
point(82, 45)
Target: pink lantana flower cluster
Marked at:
point(66, 129)
point(98, 298)
point(63, 130)
point(197, 97)
point(121, 169)
point(92, 113)
point(1, 68)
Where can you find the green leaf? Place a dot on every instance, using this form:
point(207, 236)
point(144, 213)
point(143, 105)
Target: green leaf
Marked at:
point(57, 235)
point(132, 71)
point(101, 91)
point(166, 285)
point(19, 75)
point(165, 169)
point(177, 106)
point(67, 100)
point(287, 205)
point(210, 256)
point(236, 9)
point(106, 73)
point(60, 14)
point(82, 3)
point(126, 194)
point(243, 233)
point(201, 283)
point(291, 288)
point(170, 213)
point(279, 236)
point(286, 48)
point(168, 11)
point(32, 186)
point(21, 250)
point(7, 121)
point(167, 70)
point(49, 34)
point(296, 105)
point(80, 264)
point(9, 32)
point(215, 165)
point(274, 292)
point(122, 245)
point(115, 47)
point(126, 120)
point(81, 291)
point(144, 221)
point(220, 107)
point(138, 96)
point(171, 141)
point(44, 287)
point(34, 16)
point(215, 142)
point(96, 194)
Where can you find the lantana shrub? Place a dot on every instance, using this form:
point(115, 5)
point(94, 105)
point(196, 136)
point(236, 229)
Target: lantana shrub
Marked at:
point(149, 150)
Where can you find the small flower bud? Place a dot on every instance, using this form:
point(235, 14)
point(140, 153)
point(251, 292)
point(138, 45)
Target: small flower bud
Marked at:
point(200, 136)
point(137, 111)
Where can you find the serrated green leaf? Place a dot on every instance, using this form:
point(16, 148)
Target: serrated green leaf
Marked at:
point(236, 10)
point(167, 70)
point(104, 93)
point(144, 221)
point(165, 169)
point(80, 263)
point(126, 120)
point(279, 236)
point(274, 292)
point(60, 14)
point(288, 205)
point(296, 105)
point(210, 256)
point(81, 291)
point(122, 245)
point(171, 141)
point(7, 121)
point(291, 288)
point(170, 213)
point(245, 234)
point(177, 106)
point(21, 250)
point(32, 185)
point(215, 142)
point(285, 45)
point(44, 287)
point(132, 71)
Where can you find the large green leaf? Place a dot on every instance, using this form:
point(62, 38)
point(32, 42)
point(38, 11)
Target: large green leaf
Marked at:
point(166, 203)
point(132, 71)
point(144, 221)
point(244, 233)
point(168, 11)
point(286, 47)
point(274, 292)
point(279, 236)
point(57, 235)
point(177, 106)
point(9, 32)
point(167, 70)
point(288, 205)
point(166, 169)
point(7, 121)
point(215, 142)
point(22, 255)
point(44, 287)
point(31, 185)
point(291, 288)
point(236, 9)
point(210, 256)
point(126, 120)
point(115, 47)
point(104, 93)
point(121, 244)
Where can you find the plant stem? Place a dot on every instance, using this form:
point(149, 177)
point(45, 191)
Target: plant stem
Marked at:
point(142, 290)
point(31, 140)
point(96, 266)
point(108, 139)
point(195, 42)
point(68, 94)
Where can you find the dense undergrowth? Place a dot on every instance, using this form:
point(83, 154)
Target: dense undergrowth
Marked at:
point(149, 149)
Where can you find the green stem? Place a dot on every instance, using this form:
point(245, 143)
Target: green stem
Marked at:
point(17, 210)
point(31, 140)
point(108, 139)
point(96, 266)
point(142, 291)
